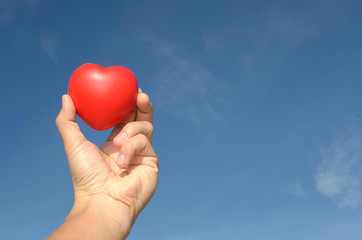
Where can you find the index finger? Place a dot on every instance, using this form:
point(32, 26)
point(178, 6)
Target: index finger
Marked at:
point(144, 108)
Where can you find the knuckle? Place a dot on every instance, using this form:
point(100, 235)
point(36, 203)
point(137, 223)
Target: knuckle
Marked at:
point(58, 121)
point(130, 127)
point(150, 133)
point(142, 138)
point(149, 126)
point(129, 145)
point(141, 127)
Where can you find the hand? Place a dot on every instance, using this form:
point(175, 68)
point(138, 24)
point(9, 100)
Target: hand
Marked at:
point(112, 183)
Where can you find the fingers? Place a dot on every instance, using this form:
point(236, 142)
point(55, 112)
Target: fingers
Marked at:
point(143, 111)
point(118, 128)
point(137, 150)
point(135, 138)
point(132, 129)
point(67, 126)
point(144, 108)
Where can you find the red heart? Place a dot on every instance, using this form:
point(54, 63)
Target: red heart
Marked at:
point(103, 97)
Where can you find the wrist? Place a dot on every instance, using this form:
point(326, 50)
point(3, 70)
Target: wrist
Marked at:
point(100, 217)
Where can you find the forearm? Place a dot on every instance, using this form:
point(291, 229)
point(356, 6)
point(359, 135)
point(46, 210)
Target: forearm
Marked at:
point(89, 220)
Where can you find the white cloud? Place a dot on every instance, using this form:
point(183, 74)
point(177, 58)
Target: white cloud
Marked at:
point(339, 176)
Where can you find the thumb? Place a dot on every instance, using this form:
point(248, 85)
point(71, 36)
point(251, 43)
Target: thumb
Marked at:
point(67, 126)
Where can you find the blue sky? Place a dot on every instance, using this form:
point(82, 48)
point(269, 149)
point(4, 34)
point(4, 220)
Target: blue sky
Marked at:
point(258, 113)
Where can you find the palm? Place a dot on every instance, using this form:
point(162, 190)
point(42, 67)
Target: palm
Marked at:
point(103, 176)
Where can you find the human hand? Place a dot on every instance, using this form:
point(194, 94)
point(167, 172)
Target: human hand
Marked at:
point(113, 183)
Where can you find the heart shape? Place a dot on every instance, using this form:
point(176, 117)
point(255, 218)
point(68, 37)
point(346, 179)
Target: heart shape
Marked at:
point(103, 97)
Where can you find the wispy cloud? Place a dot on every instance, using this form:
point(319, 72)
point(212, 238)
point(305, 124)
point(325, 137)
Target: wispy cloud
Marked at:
point(339, 176)
point(50, 45)
point(11, 9)
point(281, 225)
point(13, 14)
point(186, 87)
point(213, 43)
point(294, 189)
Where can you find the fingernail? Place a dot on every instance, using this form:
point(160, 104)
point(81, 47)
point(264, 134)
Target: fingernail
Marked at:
point(121, 137)
point(121, 159)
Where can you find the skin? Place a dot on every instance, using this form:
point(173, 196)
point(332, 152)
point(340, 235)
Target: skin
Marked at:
point(113, 183)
